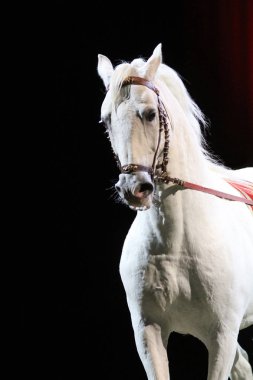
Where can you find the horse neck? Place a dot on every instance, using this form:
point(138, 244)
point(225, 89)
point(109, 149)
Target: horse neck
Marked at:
point(180, 208)
point(176, 210)
point(186, 158)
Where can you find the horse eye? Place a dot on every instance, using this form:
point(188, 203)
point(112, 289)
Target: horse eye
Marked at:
point(150, 115)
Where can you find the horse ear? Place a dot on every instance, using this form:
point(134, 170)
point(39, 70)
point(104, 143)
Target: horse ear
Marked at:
point(153, 63)
point(105, 69)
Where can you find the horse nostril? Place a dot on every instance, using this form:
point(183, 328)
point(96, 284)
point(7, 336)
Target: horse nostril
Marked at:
point(146, 187)
point(143, 190)
point(117, 188)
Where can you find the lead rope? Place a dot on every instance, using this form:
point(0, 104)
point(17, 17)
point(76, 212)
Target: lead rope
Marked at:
point(164, 178)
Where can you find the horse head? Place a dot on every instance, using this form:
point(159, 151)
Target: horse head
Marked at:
point(134, 118)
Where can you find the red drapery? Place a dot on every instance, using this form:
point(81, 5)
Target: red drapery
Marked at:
point(236, 54)
point(220, 36)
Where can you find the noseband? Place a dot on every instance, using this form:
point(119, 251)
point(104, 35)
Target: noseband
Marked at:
point(163, 127)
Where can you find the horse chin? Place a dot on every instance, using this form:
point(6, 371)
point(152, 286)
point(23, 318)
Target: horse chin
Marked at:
point(137, 204)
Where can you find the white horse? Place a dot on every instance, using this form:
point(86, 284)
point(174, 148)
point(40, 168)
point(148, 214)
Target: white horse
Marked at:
point(187, 260)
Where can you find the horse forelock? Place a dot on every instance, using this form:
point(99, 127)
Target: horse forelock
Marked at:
point(122, 71)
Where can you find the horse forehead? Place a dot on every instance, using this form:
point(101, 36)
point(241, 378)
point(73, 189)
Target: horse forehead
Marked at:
point(142, 95)
point(139, 96)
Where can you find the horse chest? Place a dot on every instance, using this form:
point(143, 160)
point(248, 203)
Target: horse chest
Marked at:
point(161, 282)
point(165, 291)
point(155, 282)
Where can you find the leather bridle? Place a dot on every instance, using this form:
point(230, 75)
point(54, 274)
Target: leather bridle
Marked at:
point(163, 127)
point(158, 171)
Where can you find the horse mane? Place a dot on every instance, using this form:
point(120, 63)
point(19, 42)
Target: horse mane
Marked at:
point(172, 80)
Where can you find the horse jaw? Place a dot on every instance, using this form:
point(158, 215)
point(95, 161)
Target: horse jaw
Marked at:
point(105, 69)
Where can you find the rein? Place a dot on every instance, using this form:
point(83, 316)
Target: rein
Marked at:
point(163, 177)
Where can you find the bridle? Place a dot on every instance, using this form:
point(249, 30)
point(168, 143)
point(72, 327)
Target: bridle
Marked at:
point(158, 171)
point(163, 127)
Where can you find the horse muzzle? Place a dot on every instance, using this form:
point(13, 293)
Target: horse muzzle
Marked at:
point(136, 190)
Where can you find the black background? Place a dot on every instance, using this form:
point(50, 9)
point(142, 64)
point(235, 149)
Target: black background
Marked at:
point(93, 322)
